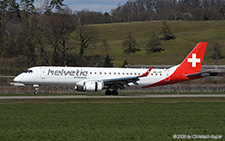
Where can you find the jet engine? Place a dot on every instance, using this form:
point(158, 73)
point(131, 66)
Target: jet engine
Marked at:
point(90, 86)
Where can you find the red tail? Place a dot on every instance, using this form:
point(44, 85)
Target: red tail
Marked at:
point(188, 69)
point(193, 62)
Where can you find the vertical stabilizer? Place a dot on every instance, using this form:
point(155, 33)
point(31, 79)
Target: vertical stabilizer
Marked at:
point(193, 62)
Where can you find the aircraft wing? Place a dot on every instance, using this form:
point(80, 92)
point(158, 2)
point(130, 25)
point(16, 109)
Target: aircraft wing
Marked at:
point(123, 82)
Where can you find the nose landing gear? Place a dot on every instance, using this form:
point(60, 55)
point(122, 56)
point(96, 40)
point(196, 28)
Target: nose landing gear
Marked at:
point(36, 87)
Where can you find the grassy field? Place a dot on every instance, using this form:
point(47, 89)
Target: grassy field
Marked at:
point(111, 119)
point(188, 34)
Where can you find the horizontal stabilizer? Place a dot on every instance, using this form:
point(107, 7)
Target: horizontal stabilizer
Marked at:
point(201, 74)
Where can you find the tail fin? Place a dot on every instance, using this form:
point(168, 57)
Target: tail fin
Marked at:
point(193, 62)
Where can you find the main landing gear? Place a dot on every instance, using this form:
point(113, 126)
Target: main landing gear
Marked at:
point(109, 92)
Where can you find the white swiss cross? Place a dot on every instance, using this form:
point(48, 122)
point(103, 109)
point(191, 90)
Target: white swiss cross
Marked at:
point(194, 60)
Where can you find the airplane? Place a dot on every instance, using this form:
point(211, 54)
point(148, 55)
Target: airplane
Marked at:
point(94, 79)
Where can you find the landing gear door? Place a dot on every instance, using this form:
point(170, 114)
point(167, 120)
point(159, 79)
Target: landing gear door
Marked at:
point(43, 72)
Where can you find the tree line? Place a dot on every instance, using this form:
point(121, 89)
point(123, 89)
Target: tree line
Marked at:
point(146, 10)
point(32, 36)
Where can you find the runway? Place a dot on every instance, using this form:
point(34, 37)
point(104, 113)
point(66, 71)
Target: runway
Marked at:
point(116, 97)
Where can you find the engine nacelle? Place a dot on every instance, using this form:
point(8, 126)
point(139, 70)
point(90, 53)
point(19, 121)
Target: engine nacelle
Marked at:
point(93, 86)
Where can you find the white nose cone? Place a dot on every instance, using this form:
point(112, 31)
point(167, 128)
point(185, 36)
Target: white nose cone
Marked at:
point(17, 78)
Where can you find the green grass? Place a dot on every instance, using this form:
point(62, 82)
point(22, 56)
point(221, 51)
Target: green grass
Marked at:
point(188, 34)
point(110, 119)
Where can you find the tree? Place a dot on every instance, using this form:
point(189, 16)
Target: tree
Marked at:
point(67, 27)
point(27, 5)
point(107, 62)
point(216, 52)
point(166, 32)
point(10, 6)
point(10, 9)
point(3, 5)
point(1, 36)
point(9, 39)
point(105, 46)
point(154, 44)
point(29, 35)
point(107, 18)
point(51, 35)
point(129, 44)
point(58, 4)
point(87, 37)
point(57, 31)
point(51, 4)
point(124, 64)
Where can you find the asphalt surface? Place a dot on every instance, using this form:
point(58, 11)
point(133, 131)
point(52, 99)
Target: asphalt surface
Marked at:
point(116, 97)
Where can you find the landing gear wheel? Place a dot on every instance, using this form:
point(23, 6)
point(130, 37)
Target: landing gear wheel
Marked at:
point(108, 92)
point(114, 92)
point(35, 92)
point(36, 87)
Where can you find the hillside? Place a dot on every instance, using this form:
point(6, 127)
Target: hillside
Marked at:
point(188, 34)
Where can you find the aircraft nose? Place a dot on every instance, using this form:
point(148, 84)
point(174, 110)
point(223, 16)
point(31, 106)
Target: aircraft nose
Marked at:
point(17, 78)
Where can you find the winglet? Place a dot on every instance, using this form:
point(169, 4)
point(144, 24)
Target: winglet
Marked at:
point(147, 73)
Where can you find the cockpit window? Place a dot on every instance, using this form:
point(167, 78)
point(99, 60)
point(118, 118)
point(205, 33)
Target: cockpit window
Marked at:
point(28, 71)
point(25, 71)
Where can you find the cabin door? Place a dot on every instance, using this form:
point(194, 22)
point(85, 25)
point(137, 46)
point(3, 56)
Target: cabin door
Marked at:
point(43, 72)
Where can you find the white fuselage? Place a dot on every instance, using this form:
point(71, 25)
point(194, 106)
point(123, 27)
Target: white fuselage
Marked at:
point(75, 76)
